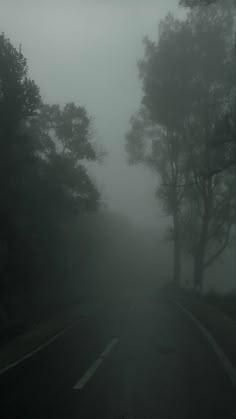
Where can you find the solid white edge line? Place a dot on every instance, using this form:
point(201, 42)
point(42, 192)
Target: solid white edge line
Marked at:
point(226, 363)
point(38, 349)
point(91, 371)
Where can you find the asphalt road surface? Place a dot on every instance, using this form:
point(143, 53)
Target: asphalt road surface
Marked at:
point(142, 359)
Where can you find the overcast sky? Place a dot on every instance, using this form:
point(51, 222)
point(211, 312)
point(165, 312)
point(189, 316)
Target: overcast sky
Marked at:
point(86, 51)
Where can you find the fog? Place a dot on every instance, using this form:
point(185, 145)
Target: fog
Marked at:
point(108, 198)
point(86, 51)
point(118, 209)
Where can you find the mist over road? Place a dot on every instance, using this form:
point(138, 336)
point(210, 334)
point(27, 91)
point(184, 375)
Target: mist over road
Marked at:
point(132, 359)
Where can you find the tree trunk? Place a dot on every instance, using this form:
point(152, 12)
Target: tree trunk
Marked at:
point(199, 260)
point(177, 253)
point(198, 271)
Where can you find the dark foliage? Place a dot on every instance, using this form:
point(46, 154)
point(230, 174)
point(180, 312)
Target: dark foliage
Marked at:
point(44, 188)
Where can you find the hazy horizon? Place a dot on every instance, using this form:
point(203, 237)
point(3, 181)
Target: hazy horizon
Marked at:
point(71, 58)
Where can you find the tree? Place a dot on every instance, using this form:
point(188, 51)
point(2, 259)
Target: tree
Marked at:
point(44, 187)
point(19, 101)
point(167, 100)
point(187, 82)
point(209, 204)
point(202, 3)
point(207, 219)
point(67, 134)
point(194, 3)
point(225, 130)
point(159, 149)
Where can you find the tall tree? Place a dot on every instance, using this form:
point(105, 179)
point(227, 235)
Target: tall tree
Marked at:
point(43, 183)
point(160, 149)
point(187, 82)
point(210, 201)
point(19, 102)
point(224, 139)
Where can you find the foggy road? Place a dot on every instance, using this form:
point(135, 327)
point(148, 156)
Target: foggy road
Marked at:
point(118, 209)
point(142, 359)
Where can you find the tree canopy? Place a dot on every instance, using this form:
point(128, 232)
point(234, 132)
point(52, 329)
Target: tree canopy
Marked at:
point(188, 95)
point(44, 183)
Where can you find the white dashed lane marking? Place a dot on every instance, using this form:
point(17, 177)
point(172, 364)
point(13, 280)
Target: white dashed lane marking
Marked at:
point(91, 371)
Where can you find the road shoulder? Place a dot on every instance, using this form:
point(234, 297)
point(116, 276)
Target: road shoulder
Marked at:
point(27, 344)
point(219, 325)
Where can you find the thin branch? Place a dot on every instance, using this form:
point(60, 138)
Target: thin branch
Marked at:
point(180, 185)
point(212, 234)
point(220, 250)
point(227, 166)
point(210, 175)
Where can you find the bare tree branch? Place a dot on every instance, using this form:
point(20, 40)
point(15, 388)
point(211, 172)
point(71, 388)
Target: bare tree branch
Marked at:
point(227, 166)
point(220, 250)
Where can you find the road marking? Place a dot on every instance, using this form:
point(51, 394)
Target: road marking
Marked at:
point(91, 371)
point(227, 364)
point(38, 349)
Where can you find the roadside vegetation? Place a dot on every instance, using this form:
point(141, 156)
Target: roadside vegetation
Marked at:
point(226, 302)
point(185, 131)
point(57, 242)
point(45, 188)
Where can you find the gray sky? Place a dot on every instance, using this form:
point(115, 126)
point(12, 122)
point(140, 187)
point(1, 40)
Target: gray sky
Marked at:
point(86, 51)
